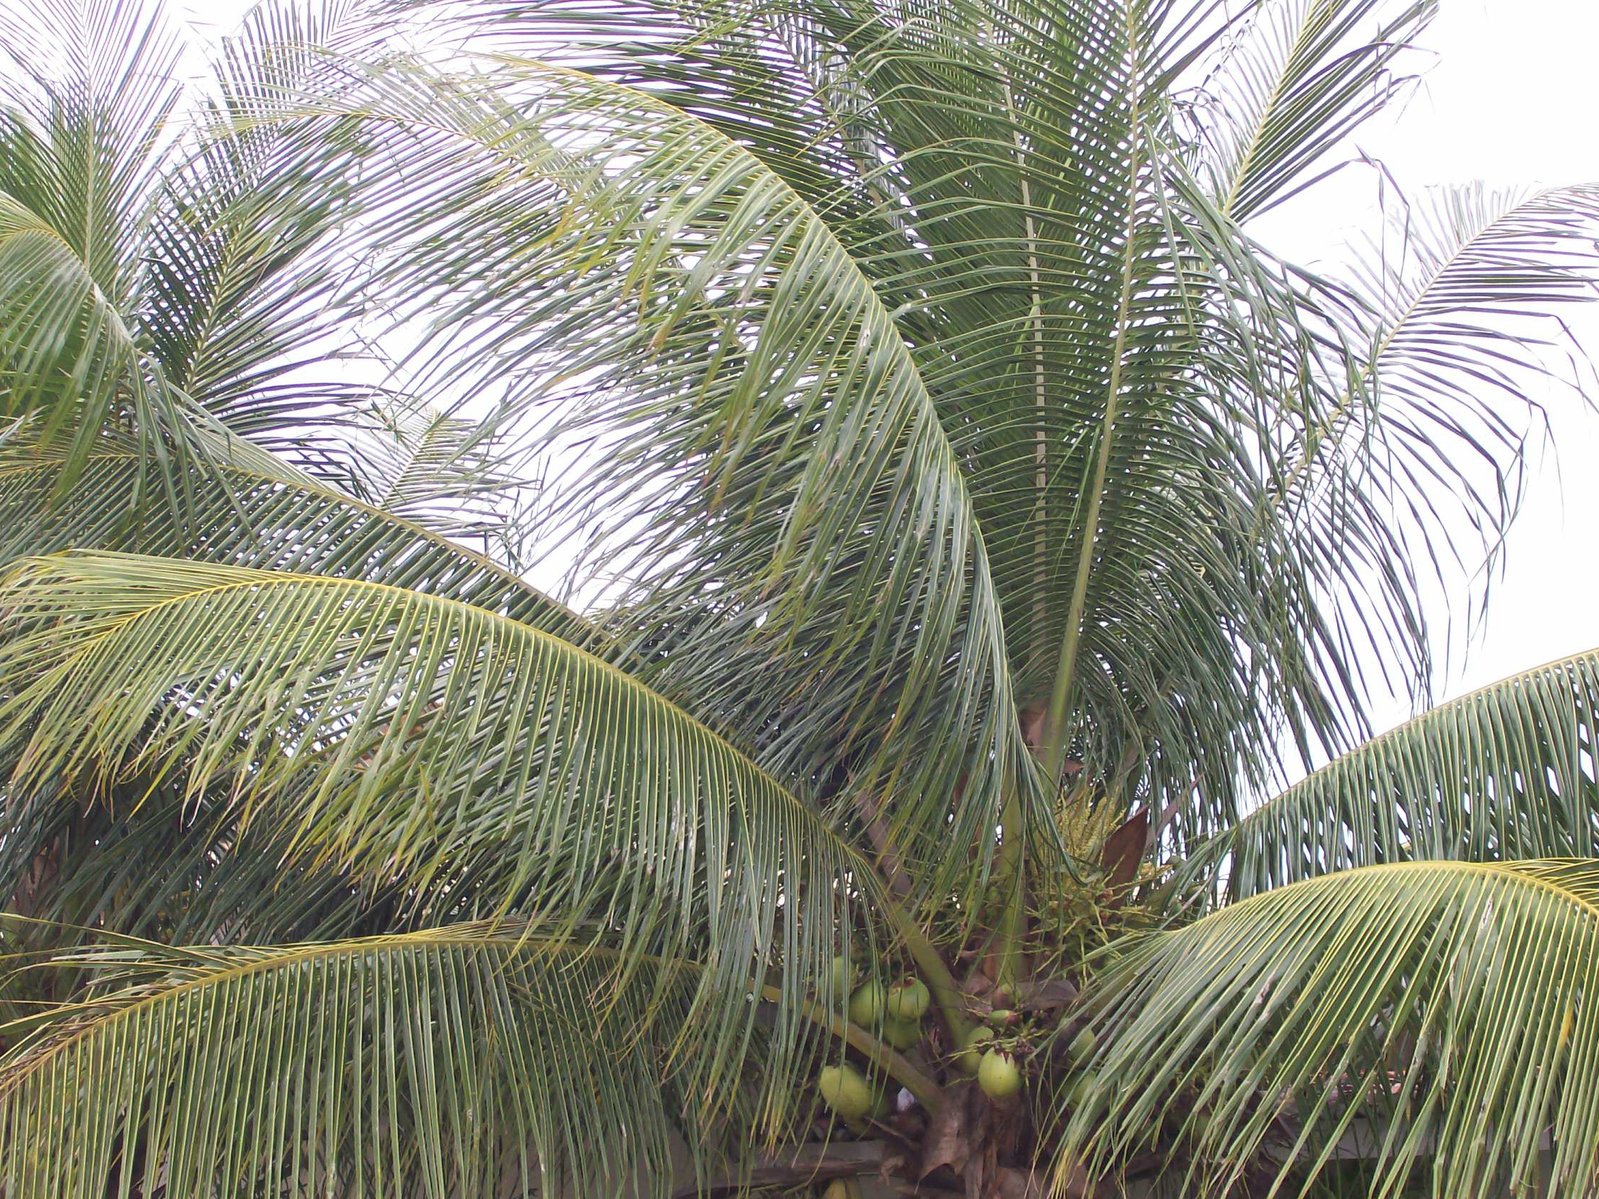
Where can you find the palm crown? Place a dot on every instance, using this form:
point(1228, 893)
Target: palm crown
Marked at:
point(975, 521)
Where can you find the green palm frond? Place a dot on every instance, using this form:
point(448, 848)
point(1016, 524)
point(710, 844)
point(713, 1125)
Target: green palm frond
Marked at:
point(241, 515)
point(1462, 333)
point(1127, 380)
point(79, 147)
point(245, 289)
point(443, 472)
point(471, 1060)
point(798, 461)
point(995, 234)
point(1438, 1015)
point(1292, 79)
point(1505, 772)
point(479, 763)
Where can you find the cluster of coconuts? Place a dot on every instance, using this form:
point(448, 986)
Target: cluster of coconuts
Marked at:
point(895, 1013)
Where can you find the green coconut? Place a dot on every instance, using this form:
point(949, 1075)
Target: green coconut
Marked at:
point(998, 1074)
point(971, 1054)
point(1083, 1044)
point(845, 1091)
point(901, 1034)
point(908, 999)
point(843, 976)
point(1082, 1089)
point(867, 1004)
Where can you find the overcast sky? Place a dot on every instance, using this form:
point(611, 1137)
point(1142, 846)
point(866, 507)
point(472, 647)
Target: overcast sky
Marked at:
point(1509, 100)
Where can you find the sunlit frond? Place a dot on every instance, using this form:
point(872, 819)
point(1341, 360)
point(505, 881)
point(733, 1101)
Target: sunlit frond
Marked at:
point(471, 1060)
point(402, 736)
point(1505, 772)
point(1439, 1016)
point(240, 516)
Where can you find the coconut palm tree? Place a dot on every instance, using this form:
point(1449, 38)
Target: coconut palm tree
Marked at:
point(973, 526)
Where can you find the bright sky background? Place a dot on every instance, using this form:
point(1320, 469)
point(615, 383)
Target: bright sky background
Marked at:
point(1509, 100)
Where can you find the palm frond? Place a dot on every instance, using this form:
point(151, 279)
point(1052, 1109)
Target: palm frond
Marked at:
point(1116, 366)
point(417, 741)
point(1438, 1014)
point(1462, 339)
point(443, 472)
point(249, 260)
point(238, 514)
point(1505, 772)
point(470, 1060)
point(1292, 80)
point(647, 287)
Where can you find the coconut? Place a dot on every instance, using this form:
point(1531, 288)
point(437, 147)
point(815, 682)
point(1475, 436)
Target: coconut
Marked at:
point(967, 1059)
point(997, 1074)
point(843, 976)
point(901, 1034)
point(1000, 1017)
point(908, 999)
point(866, 1005)
point(845, 1091)
point(1083, 1044)
point(1080, 1092)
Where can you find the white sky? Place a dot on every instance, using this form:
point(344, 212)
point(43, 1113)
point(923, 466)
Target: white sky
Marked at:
point(1509, 100)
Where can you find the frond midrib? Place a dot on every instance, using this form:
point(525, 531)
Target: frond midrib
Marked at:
point(273, 957)
point(1506, 871)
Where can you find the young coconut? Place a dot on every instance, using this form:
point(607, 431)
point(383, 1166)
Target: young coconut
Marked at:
point(1083, 1044)
point(998, 1075)
point(845, 1091)
point(866, 1005)
point(971, 1055)
point(843, 976)
point(1082, 1090)
point(908, 999)
point(902, 1034)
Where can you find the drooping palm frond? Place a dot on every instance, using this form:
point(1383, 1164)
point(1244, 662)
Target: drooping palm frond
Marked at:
point(446, 473)
point(471, 1060)
point(1461, 337)
point(414, 740)
point(246, 289)
point(1127, 380)
point(994, 231)
point(166, 265)
point(684, 314)
point(240, 515)
point(166, 866)
point(82, 141)
point(1440, 1015)
point(1505, 772)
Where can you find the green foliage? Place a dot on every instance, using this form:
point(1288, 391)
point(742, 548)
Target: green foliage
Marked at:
point(965, 507)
